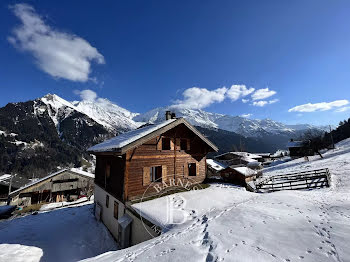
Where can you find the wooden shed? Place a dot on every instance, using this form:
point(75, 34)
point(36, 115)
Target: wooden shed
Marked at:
point(64, 185)
point(239, 175)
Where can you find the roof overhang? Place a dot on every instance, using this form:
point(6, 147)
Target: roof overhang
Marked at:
point(158, 132)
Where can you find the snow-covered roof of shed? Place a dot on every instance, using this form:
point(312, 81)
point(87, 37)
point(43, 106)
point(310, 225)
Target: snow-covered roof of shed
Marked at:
point(74, 170)
point(246, 171)
point(215, 164)
point(127, 138)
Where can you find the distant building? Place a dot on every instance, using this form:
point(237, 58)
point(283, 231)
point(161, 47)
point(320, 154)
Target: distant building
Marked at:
point(300, 148)
point(238, 175)
point(214, 167)
point(239, 159)
point(64, 185)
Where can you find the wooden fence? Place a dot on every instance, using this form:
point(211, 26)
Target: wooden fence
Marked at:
point(300, 180)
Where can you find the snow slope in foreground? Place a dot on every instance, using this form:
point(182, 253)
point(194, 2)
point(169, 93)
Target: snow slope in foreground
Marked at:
point(67, 234)
point(236, 225)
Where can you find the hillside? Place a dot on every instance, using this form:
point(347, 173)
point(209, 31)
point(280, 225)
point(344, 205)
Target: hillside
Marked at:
point(227, 223)
point(37, 137)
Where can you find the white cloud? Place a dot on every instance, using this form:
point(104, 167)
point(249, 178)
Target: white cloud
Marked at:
point(273, 101)
point(246, 115)
point(262, 103)
point(198, 98)
point(245, 100)
point(342, 109)
point(237, 91)
point(323, 106)
point(86, 95)
point(262, 94)
point(59, 54)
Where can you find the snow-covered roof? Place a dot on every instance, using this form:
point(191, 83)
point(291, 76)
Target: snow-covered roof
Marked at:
point(246, 171)
point(215, 165)
point(4, 177)
point(74, 170)
point(249, 160)
point(81, 172)
point(127, 138)
point(242, 154)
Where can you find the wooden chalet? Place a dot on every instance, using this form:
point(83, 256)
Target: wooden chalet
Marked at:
point(132, 163)
point(299, 149)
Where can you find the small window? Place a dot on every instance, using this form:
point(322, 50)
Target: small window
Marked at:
point(192, 169)
point(183, 144)
point(115, 213)
point(165, 143)
point(107, 201)
point(156, 173)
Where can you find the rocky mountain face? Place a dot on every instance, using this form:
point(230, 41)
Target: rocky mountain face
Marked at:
point(37, 137)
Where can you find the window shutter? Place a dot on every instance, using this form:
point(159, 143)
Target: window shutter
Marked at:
point(146, 176)
point(178, 142)
point(172, 144)
point(197, 169)
point(188, 144)
point(164, 173)
point(159, 144)
point(186, 170)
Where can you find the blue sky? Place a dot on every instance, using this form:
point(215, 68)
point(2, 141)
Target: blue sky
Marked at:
point(287, 60)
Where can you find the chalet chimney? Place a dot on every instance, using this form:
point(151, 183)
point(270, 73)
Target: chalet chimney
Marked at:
point(173, 115)
point(167, 115)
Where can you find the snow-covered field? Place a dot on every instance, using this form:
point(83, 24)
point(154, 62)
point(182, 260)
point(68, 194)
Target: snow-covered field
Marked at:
point(223, 223)
point(66, 234)
point(229, 224)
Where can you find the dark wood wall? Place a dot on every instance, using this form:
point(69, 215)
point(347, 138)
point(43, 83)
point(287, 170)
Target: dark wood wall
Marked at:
point(175, 160)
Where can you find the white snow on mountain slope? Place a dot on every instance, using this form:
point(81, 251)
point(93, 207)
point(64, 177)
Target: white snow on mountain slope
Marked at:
point(108, 114)
point(116, 118)
point(102, 111)
point(244, 126)
point(236, 225)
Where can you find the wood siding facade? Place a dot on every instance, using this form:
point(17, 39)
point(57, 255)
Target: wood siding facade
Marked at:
point(131, 173)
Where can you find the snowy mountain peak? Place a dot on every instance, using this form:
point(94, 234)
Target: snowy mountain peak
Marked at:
point(102, 111)
point(243, 126)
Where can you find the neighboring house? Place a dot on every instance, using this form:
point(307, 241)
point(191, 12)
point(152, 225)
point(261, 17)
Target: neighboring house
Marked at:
point(238, 175)
point(239, 159)
point(64, 185)
point(129, 164)
point(15, 181)
point(213, 168)
point(300, 148)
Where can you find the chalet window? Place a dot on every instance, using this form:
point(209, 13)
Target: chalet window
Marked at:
point(166, 143)
point(156, 173)
point(115, 213)
point(183, 144)
point(192, 169)
point(107, 201)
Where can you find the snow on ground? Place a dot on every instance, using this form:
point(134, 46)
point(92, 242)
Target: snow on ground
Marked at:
point(66, 234)
point(229, 224)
